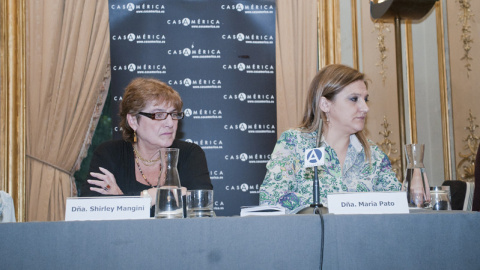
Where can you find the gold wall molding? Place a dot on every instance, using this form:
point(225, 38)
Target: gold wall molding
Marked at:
point(412, 108)
point(356, 62)
point(467, 162)
point(13, 70)
point(465, 16)
point(387, 146)
point(444, 97)
point(329, 45)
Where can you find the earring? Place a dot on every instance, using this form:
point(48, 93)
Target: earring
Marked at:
point(328, 117)
point(134, 136)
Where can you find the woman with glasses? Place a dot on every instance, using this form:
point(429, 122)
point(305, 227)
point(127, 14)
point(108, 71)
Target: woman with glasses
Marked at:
point(149, 112)
point(336, 102)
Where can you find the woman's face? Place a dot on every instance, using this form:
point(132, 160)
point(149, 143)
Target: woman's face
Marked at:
point(348, 110)
point(155, 133)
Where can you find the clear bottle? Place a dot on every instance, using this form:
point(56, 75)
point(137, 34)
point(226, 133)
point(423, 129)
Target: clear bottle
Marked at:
point(169, 203)
point(416, 181)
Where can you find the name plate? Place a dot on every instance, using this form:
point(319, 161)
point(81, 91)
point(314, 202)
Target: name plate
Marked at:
point(107, 208)
point(394, 202)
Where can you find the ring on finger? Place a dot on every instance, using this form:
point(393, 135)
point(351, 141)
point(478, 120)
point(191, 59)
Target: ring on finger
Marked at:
point(106, 188)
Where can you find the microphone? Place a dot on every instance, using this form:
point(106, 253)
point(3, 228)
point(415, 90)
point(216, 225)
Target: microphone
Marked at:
point(314, 158)
point(316, 185)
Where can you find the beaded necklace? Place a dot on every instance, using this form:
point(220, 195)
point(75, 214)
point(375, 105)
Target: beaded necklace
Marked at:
point(141, 172)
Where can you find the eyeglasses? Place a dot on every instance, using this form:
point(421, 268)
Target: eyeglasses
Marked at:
point(163, 115)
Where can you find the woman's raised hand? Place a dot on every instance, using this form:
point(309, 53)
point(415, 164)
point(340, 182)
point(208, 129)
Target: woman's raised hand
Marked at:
point(107, 184)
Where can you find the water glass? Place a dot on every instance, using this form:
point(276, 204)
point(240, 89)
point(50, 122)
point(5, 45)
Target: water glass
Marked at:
point(200, 203)
point(440, 198)
point(169, 203)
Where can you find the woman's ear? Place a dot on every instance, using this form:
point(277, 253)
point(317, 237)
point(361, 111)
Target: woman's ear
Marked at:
point(324, 105)
point(132, 121)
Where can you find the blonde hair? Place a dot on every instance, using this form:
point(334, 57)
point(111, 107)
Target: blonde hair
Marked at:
point(138, 93)
point(328, 82)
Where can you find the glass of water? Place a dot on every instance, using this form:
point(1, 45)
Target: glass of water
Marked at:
point(440, 198)
point(200, 203)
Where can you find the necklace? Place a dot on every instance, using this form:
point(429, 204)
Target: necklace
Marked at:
point(146, 162)
point(141, 172)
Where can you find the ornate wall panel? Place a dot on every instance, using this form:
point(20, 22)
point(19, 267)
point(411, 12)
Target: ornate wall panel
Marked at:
point(463, 21)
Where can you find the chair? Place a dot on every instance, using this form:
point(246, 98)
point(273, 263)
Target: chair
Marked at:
point(458, 191)
point(461, 193)
point(7, 209)
point(476, 193)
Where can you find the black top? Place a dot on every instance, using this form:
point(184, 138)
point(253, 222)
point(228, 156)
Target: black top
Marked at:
point(118, 158)
point(476, 192)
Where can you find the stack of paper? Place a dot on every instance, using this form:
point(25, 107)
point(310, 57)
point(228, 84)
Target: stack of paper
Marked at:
point(263, 210)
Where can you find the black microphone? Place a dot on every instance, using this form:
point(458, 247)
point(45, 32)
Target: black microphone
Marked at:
point(316, 185)
point(316, 207)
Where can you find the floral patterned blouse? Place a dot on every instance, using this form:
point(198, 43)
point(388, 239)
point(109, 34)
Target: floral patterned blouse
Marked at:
point(289, 184)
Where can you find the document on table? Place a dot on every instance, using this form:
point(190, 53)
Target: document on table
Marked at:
point(262, 210)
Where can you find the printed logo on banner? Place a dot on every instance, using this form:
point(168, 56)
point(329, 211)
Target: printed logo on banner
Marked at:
point(216, 175)
point(207, 144)
point(117, 129)
point(251, 158)
point(142, 38)
point(250, 38)
point(218, 205)
point(141, 68)
point(117, 98)
point(252, 189)
point(195, 23)
point(196, 53)
point(197, 83)
point(251, 98)
point(251, 68)
point(249, 8)
point(251, 128)
point(148, 7)
point(203, 114)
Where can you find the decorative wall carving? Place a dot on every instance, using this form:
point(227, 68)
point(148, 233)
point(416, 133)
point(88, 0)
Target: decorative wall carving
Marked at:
point(467, 162)
point(381, 29)
point(387, 147)
point(465, 16)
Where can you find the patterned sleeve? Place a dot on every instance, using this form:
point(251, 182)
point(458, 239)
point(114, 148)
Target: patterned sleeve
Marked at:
point(280, 170)
point(386, 180)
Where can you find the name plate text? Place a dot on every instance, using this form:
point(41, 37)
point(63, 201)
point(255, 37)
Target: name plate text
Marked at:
point(394, 202)
point(107, 208)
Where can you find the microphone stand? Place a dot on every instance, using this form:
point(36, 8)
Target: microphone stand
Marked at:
point(316, 207)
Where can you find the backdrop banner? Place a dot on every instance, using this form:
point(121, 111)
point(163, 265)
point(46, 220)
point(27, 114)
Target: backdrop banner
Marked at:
point(220, 57)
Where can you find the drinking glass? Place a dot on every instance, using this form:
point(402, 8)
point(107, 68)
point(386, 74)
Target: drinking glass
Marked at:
point(440, 198)
point(200, 203)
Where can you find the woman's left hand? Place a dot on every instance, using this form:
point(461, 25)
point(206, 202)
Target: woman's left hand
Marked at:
point(107, 184)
